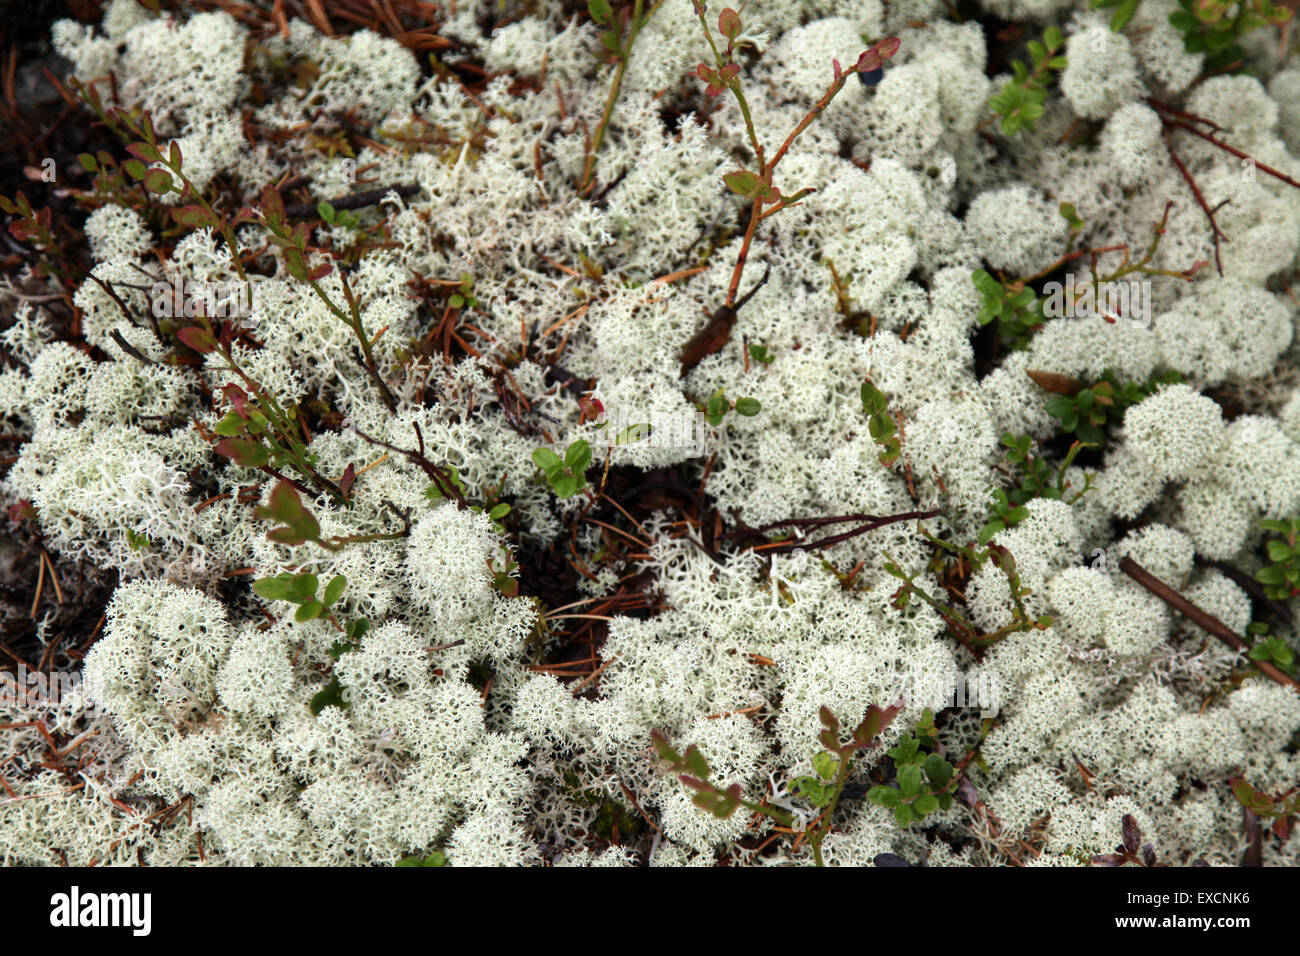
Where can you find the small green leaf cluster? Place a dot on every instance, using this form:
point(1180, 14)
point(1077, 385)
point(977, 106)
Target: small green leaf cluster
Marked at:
point(300, 589)
point(135, 540)
point(338, 217)
point(716, 408)
point(1273, 650)
point(1279, 809)
point(253, 433)
point(972, 558)
point(1012, 303)
point(761, 355)
point(924, 781)
point(296, 524)
point(1215, 27)
point(823, 791)
point(1281, 576)
point(1088, 412)
point(1070, 213)
point(818, 790)
point(464, 298)
point(1020, 102)
point(880, 424)
point(1035, 478)
point(567, 475)
point(292, 239)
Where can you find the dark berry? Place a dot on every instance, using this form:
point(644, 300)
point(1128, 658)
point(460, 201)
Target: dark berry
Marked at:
point(872, 77)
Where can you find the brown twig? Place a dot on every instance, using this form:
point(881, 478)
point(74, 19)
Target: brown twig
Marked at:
point(352, 201)
point(1203, 619)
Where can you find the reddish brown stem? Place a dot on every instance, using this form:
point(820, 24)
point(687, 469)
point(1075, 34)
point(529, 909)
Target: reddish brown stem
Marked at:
point(1206, 621)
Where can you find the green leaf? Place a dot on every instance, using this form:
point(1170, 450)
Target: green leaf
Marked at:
point(1270, 575)
point(743, 183)
point(748, 406)
point(938, 770)
point(245, 453)
point(158, 181)
point(331, 696)
point(334, 590)
point(565, 486)
point(695, 763)
point(600, 10)
point(230, 426)
point(309, 610)
point(547, 460)
point(884, 796)
point(909, 780)
point(278, 588)
point(827, 765)
point(578, 456)
point(903, 814)
point(925, 803)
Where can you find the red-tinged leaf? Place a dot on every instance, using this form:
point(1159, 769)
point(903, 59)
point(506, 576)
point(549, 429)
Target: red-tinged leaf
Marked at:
point(237, 398)
point(888, 47)
point(1243, 791)
point(696, 763)
point(1055, 382)
point(200, 340)
point(876, 720)
point(1282, 828)
point(828, 740)
point(284, 504)
point(145, 152)
point(320, 272)
point(134, 168)
point(729, 23)
point(869, 61)
point(839, 70)
point(1109, 859)
point(246, 453)
point(743, 183)
point(348, 479)
point(665, 749)
point(828, 718)
point(285, 535)
point(174, 156)
point(158, 181)
point(1132, 833)
point(193, 217)
point(272, 205)
point(694, 783)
